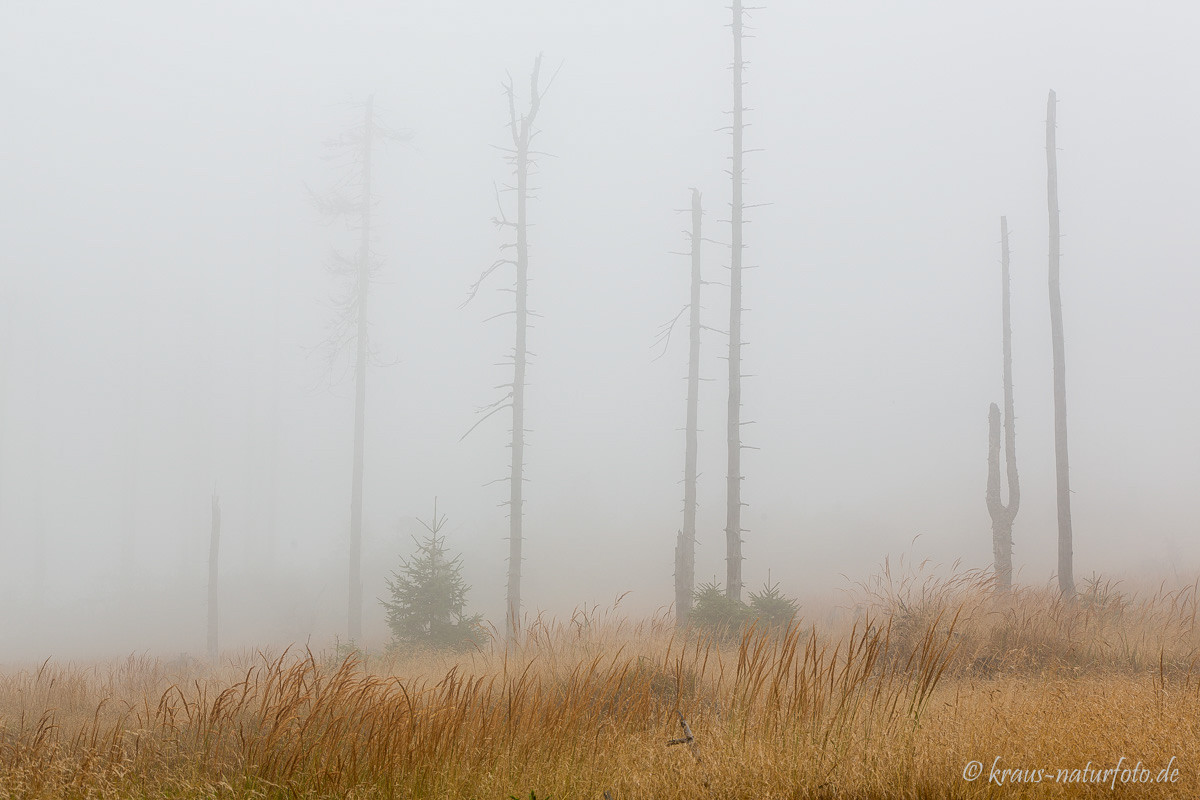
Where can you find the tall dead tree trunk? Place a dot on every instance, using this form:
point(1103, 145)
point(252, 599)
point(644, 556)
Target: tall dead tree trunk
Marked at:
point(1066, 579)
point(214, 546)
point(1003, 515)
point(733, 512)
point(519, 156)
point(685, 546)
point(516, 495)
point(354, 622)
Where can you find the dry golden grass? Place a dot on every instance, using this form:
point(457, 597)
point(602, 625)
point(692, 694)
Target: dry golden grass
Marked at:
point(932, 675)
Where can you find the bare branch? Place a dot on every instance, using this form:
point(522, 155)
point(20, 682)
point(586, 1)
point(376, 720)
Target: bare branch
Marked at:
point(475, 286)
point(481, 420)
point(664, 333)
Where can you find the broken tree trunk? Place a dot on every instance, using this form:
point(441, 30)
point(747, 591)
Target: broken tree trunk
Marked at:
point(1003, 515)
point(1066, 580)
point(685, 546)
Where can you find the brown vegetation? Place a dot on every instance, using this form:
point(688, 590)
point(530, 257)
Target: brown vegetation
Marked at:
point(923, 677)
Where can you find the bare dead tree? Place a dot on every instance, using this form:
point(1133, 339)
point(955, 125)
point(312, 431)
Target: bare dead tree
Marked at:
point(214, 546)
point(520, 157)
point(733, 513)
point(1066, 579)
point(352, 199)
point(1003, 515)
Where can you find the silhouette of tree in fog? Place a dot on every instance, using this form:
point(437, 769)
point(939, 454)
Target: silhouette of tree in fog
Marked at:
point(685, 542)
point(214, 547)
point(352, 200)
point(4, 324)
point(520, 157)
point(1003, 515)
point(733, 509)
point(1066, 580)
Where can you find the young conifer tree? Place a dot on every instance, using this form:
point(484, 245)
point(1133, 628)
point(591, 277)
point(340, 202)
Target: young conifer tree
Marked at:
point(428, 596)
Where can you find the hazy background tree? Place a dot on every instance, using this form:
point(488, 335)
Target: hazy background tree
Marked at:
point(362, 294)
point(131, 401)
point(1003, 515)
point(178, 201)
point(270, 532)
point(352, 199)
point(214, 550)
point(685, 544)
point(4, 345)
point(1066, 580)
point(520, 157)
point(40, 534)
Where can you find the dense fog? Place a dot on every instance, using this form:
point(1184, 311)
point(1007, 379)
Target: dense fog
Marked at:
point(165, 299)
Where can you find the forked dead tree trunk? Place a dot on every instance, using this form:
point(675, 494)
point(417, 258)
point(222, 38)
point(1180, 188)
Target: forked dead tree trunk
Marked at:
point(214, 546)
point(1066, 579)
point(519, 156)
point(685, 545)
point(1003, 515)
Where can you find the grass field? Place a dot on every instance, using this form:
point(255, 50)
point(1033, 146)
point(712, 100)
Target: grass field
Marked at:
point(922, 678)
